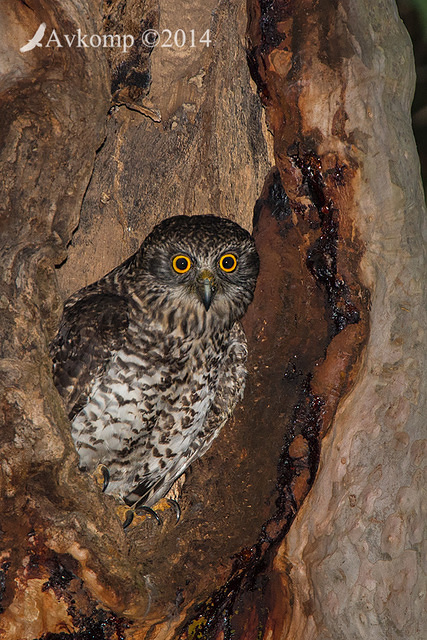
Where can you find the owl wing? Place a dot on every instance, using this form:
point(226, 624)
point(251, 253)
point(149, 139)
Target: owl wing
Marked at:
point(91, 329)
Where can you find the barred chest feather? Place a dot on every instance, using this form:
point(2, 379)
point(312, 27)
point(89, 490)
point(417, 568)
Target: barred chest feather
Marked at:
point(146, 415)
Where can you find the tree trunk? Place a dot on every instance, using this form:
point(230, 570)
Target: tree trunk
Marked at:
point(304, 518)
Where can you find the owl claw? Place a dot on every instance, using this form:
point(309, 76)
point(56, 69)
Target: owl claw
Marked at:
point(174, 504)
point(149, 511)
point(101, 475)
point(130, 513)
point(106, 476)
point(129, 518)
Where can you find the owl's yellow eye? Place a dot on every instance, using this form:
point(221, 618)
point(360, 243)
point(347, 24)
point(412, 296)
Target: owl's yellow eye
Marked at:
point(181, 264)
point(228, 262)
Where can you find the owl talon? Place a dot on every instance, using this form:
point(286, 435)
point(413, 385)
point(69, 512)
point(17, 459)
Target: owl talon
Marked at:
point(101, 475)
point(150, 512)
point(130, 514)
point(106, 477)
point(174, 504)
point(129, 517)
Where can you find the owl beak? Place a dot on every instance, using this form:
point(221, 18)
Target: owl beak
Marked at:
point(206, 288)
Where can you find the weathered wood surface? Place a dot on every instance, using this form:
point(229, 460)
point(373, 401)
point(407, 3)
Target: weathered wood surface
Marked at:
point(338, 227)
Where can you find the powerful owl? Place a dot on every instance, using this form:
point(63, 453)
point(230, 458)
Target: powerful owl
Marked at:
point(150, 359)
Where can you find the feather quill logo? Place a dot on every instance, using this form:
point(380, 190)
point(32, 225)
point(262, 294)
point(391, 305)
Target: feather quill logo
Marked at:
point(35, 40)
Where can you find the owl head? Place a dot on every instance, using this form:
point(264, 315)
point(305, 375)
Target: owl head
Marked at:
point(203, 265)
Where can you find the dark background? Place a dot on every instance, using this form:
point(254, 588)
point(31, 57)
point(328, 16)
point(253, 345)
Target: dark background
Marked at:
point(414, 15)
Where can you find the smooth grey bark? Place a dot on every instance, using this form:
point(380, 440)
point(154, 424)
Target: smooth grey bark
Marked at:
point(358, 546)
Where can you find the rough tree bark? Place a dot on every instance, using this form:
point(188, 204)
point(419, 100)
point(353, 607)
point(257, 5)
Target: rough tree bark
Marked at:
point(335, 330)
